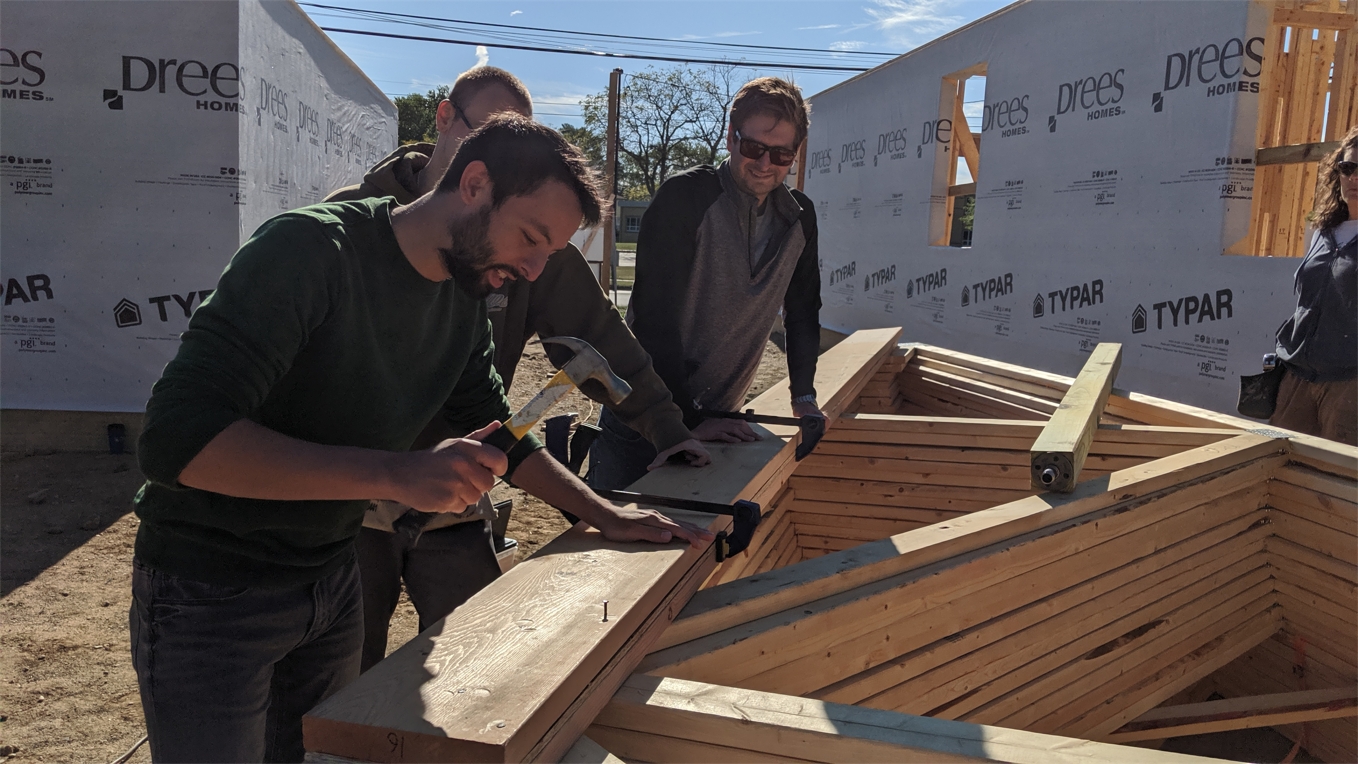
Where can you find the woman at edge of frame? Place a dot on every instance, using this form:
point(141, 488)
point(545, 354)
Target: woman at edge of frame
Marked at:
point(1318, 345)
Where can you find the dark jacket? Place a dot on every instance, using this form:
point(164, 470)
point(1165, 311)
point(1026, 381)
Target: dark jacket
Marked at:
point(1319, 343)
point(705, 301)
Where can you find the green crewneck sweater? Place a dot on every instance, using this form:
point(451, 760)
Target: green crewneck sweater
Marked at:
point(320, 329)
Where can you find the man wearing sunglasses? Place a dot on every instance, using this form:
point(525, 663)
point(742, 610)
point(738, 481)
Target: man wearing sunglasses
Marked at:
point(721, 251)
point(454, 558)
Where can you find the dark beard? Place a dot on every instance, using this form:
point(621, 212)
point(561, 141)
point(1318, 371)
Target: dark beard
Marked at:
point(469, 256)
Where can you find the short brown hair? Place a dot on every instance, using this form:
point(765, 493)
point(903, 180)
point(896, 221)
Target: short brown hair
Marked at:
point(775, 97)
point(478, 78)
point(520, 155)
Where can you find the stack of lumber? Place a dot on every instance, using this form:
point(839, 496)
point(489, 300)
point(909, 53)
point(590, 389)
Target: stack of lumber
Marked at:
point(941, 382)
point(875, 476)
point(1313, 557)
point(882, 393)
point(1070, 615)
point(671, 720)
point(519, 671)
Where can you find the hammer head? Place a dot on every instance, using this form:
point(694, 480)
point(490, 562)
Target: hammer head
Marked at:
point(590, 371)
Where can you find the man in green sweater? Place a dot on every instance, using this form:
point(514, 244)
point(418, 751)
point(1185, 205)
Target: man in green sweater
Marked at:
point(336, 333)
point(454, 558)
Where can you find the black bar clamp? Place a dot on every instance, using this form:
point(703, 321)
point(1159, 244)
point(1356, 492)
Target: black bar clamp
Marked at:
point(746, 515)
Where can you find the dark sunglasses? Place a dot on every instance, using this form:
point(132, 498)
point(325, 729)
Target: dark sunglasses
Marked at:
point(755, 150)
point(462, 115)
point(1345, 168)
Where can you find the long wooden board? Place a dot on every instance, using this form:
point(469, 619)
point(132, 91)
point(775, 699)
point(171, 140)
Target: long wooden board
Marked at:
point(780, 727)
point(1059, 452)
point(519, 671)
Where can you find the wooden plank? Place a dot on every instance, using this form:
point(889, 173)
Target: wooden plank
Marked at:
point(755, 597)
point(1302, 152)
point(1059, 452)
point(978, 592)
point(808, 510)
point(890, 494)
point(1185, 672)
point(811, 628)
point(1320, 482)
point(983, 663)
point(1094, 678)
point(785, 726)
point(1336, 514)
point(1317, 538)
point(1309, 19)
point(547, 606)
point(530, 652)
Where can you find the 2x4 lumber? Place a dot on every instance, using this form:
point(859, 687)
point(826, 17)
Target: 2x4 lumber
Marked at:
point(741, 601)
point(1094, 677)
point(904, 470)
point(977, 665)
point(982, 591)
point(1317, 537)
point(1340, 622)
point(543, 618)
point(891, 494)
point(991, 401)
point(1296, 154)
point(1340, 593)
point(812, 628)
point(532, 641)
point(812, 511)
point(1320, 482)
point(999, 392)
point(862, 529)
point(1186, 672)
point(1330, 740)
point(1336, 514)
point(1059, 452)
point(1141, 409)
point(1310, 19)
point(795, 728)
point(1324, 455)
point(1291, 551)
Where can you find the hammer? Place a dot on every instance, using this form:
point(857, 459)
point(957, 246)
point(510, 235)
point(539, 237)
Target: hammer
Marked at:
point(586, 367)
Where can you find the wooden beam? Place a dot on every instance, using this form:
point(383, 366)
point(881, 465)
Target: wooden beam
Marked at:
point(519, 671)
point(962, 189)
point(767, 726)
point(738, 602)
point(1301, 152)
point(1060, 451)
point(1295, 17)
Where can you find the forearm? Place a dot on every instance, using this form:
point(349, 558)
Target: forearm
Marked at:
point(544, 477)
point(248, 460)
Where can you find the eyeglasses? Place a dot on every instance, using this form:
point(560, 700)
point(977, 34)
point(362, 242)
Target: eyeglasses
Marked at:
point(462, 115)
point(756, 150)
point(1345, 168)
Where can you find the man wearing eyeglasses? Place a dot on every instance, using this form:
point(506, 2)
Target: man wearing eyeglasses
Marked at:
point(454, 558)
point(720, 252)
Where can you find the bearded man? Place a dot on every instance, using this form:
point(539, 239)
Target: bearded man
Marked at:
point(335, 334)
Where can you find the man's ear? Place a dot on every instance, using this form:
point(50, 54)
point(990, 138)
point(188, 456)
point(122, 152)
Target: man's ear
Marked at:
point(444, 116)
point(475, 186)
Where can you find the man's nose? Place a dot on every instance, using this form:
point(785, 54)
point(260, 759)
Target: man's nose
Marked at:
point(534, 265)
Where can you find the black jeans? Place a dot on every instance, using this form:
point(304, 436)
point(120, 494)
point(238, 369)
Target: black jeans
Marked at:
point(447, 567)
point(226, 672)
point(619, 456)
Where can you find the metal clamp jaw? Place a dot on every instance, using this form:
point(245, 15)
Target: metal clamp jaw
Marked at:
point(747, 516)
